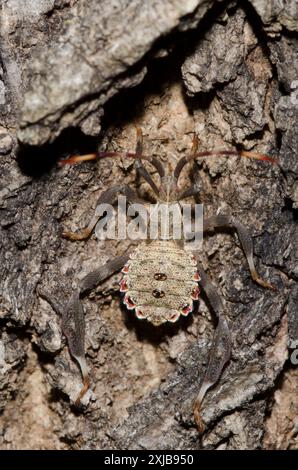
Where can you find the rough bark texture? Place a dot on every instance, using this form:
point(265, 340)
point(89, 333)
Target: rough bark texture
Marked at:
point(75, 75)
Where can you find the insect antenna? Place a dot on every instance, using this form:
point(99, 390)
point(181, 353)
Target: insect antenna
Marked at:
point(98, 155)
point(217, 153)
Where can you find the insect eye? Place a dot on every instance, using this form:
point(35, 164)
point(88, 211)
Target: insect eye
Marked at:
point(158, 294)
point(160, 276)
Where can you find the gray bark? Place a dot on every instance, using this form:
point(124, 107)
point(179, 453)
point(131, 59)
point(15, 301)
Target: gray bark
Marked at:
point(79, 75)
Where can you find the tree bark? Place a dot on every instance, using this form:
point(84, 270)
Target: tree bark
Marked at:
point(76, 76)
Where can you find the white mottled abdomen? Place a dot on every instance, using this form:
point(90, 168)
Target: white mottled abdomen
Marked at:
point(160, 281)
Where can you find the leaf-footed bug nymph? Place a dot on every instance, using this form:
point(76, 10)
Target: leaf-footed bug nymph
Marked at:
point(160, 278)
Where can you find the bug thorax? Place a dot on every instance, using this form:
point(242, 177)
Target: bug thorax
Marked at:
point(168, 189)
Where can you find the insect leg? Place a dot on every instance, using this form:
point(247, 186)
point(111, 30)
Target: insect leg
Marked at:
point(108, 196)
point(73, 326)
point(196, 187)
point(73, 322)
point(192, 191)
point(138, 162)
point(245, 240)
point(221, 347)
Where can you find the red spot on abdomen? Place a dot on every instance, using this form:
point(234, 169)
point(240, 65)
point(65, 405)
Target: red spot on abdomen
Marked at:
point(195, 293)
point(123, 286)
point(129, 303)
point(125, 268)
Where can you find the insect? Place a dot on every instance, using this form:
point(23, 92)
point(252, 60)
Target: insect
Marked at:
point(161, 279)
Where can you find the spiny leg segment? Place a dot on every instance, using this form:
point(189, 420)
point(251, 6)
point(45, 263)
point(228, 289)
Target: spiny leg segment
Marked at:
point(107, 197)
point(73, 322)
point(245, 240)
point(221, 346)
point(73, 318)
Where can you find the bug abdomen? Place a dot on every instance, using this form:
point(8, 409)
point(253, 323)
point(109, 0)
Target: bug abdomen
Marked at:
point(160, 281)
